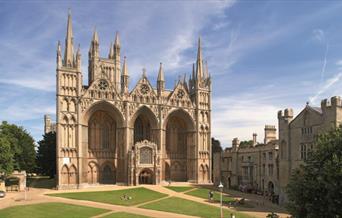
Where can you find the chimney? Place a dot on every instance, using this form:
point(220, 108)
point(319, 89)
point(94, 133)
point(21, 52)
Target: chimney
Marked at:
point(270, 133)
point(254, 139)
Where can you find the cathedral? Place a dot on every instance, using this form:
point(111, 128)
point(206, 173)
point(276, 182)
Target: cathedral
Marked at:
point(109, 134)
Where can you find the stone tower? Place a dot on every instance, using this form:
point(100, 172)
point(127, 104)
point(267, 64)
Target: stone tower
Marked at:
point(108, 134)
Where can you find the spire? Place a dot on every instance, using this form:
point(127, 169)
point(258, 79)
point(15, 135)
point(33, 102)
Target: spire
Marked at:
point(95, 36)
point(161, 73)
point(124, 77)
point(144, 73)
point(124, 68)
point(117, 40)
point(206, 72)
point(59, 55)
point(199, 64)
point(111, 51)
point(69, 43)
point(193, 71)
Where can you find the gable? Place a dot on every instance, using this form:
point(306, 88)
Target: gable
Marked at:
point(307, 117)
point(180, 96)
point(143, 90)
point(101, 88)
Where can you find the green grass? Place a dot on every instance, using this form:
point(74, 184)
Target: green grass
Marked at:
point(124, 215)
point(187, 207)
point(204, 193)
point(179, 188)
point(139, 195)
point(51, 210)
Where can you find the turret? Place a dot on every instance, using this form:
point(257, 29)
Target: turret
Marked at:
point(124, 77)
point(270, 133)
point(160, 80)
point(69, 45)
point(235, 143)
point(78, 59)
point(117, 61)
point(93, 56)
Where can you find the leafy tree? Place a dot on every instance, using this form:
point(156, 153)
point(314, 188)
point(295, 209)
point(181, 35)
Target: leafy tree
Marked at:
point(215, 145)
point(46, 154)
point(22, 146)
point(245, 144)
point(6, 156)
point(315, 188)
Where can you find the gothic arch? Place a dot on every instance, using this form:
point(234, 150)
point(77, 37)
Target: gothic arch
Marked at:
point(144, 122)
point(107, 174)
point(65, 175)
point(145, 111)
point(184, 115)
point(72, 175)
point(112, 110)
point(93, 173)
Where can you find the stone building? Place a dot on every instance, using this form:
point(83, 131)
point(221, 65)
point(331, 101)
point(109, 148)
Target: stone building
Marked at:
point(297, 135)
point(109, 134)
point(268, 166)
point(249, 167)
point(49, 125)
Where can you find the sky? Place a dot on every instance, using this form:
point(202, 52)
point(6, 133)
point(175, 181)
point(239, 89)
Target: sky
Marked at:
point(263, 56)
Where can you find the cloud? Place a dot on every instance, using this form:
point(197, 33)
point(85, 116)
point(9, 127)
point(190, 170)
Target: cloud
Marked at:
point(318, 35)
point(325, 87)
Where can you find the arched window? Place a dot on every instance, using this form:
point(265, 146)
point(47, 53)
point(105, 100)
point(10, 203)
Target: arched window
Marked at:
point(142, 129)
point(146, 155)
point(101, 131)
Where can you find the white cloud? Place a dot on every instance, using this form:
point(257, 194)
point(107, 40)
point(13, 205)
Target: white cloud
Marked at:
point(318, 35)
point(325, 87)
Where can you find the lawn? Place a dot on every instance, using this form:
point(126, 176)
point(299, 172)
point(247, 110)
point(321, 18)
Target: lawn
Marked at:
point(138, 196)
point(187, 207)
point(51, 210)
point(179, 188)
point(124, 215)
point(204, 193)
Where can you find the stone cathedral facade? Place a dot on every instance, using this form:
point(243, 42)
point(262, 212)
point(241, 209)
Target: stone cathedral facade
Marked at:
point(108, 134)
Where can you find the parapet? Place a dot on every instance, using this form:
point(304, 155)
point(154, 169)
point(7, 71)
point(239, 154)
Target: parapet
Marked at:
point(335, 101)
point(287, 113)
point(270, 127)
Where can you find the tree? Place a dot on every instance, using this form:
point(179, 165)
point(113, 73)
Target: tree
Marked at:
point(215, 145)
point(245, 144)
point(22, 146)
point(315, 187)
point(6, 156)
point(46, 154)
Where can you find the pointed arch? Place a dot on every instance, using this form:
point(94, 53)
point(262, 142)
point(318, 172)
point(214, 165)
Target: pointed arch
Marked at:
point(105, 106)
point(144, 110)
point(144, 121)
point(93, 173)
point(65, 175)
point(72, 175)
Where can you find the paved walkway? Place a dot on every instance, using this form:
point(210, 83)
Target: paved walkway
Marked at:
point(35, 196)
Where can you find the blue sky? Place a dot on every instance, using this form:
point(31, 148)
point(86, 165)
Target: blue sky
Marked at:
point(263, 56)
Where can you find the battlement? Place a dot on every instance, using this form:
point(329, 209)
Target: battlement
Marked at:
point(334, 101)
point(270, 127)
point(287, 113)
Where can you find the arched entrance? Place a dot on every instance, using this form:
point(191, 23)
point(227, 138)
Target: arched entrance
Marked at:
point(107, 175)
point(146, 177)
point(179, 147)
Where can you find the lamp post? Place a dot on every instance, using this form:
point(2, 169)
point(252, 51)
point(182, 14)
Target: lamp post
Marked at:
point(221, 189)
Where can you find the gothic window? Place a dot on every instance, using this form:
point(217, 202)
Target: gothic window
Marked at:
point(142, 129)
point(146, 155)
point(101, 131)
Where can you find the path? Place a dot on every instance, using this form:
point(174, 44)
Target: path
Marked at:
point(35, 196)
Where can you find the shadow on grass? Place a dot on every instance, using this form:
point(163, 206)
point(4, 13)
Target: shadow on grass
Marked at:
point(43, 182)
